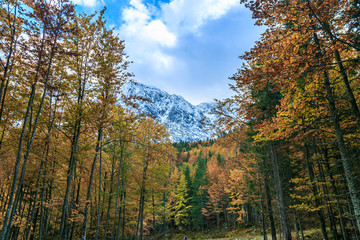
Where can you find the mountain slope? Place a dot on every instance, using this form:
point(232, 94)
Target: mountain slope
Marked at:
point(184, 120)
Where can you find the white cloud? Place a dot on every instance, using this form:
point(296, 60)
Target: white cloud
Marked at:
point(146, 38)
point(87, 3)
point(189, 15)
point(162, 61)
point(137, 4)
point(158, 32)
point(135, 21)
point(150, 32)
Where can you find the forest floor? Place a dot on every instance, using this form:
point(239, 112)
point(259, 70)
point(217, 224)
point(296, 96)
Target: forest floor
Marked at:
point(242, 234)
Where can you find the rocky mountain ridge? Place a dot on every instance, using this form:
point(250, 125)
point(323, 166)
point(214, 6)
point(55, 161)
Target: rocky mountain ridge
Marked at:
point(186, 122)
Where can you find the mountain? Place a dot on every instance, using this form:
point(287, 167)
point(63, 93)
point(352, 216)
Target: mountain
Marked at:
point(184, 121)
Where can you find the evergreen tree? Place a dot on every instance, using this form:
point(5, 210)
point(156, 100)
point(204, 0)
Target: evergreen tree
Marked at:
point(199, 193)
point(182, 209)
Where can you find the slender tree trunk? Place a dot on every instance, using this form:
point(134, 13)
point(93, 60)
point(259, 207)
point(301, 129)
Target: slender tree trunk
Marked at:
point(42, 205)
point(17, 165)
point(99, 196)
point(74, 149)
point(164, 212)
point(346, 160)
point(315, 193)
point(51, 120)
point(226, 215)
point(154, 216)
point(218, 221)
point(3, 97)
point(279, 225)
point(334, 188)
point(110, 195)
point(75, 204)
point(116, 228)
point(301, 227)
point(282, 207)
point(27, 154)
point(349, 91)
point(48, 194)
point(350, 212)
point(34, 224)
point(263, 223)
point(139, 228)
point(82, 81)
point(296, 228)
point(123, 216)
point(43, 161)
point(350, 95)
point(7, 219)
point(34, 209)
point(332, 222)
point(3, 133)
point(70, 174)
point(9, 60)
point(88, 196)
point(269, 204)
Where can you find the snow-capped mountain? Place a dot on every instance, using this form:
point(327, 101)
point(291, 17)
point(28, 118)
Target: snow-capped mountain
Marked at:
point(185, 121)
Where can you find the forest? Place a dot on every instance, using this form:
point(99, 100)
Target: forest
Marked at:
point(74, 164)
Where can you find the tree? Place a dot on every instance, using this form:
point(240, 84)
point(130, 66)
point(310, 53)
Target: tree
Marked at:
point(182, 207)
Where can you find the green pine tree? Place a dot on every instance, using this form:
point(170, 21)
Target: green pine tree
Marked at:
point(199, 197)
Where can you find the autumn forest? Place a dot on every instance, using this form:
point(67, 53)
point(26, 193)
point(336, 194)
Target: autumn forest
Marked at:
point(75, 164)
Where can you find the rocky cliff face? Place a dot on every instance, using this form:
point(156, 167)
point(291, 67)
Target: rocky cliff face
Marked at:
point(185, 121)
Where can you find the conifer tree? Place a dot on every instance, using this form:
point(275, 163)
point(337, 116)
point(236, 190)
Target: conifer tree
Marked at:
point(199, 197)
point(181, 207)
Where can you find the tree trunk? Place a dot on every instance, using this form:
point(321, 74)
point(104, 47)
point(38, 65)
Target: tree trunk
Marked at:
point(346, 160)
point(139, 231)
point(27, 154)
point(17, 165)
point(349, 91)
point(110, 195)
point(99, 195)
point(164, 213)
point(88, 196)
point(9, 60)
point(334, 188)
point(282, 207)
point(123, 217)
point(154, 217)
point(269, 204)
point(301, 228)
point(296, 228)
point(332, 221)
point(70, 173)
point(116, 228)
point(262, 213)
point(315, 193)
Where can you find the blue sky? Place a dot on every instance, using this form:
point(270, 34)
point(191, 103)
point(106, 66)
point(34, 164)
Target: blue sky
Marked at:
point(185, 47)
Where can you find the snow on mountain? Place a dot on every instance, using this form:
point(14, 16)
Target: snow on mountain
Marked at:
point(184, 121)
